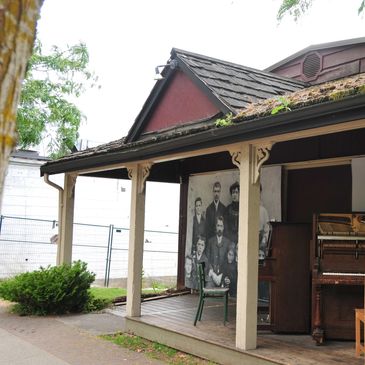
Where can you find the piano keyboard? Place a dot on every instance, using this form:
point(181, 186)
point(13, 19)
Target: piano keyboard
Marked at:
point(344, 274)
point(340, 238)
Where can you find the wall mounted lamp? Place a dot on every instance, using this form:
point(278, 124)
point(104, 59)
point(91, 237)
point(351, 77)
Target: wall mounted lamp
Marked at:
point(172, 64)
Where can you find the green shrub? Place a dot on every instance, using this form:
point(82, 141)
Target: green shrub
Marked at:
point(96, 304)
point(51, 290)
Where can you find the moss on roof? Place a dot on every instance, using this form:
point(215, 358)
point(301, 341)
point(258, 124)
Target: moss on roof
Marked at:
point(329, 91)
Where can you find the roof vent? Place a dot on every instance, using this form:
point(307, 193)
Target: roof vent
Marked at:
point(311, 65)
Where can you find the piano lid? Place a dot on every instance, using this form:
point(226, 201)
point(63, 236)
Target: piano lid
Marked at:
point(341, 224)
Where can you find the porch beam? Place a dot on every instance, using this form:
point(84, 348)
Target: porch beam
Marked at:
point(65, 229)
point(138, 174)
point(272, 138)
point(134, 156)
point(312, 132)
point(249, 159)
point(109, 167)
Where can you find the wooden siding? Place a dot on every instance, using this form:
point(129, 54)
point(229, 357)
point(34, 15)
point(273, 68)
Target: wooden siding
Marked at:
point(333, 145)
point(335, 63)
point(326, 189)
point(181, 102)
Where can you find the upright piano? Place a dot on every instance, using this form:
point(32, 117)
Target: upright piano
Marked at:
point(337, 258)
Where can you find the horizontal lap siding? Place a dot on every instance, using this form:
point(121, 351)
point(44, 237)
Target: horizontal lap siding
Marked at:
point(335, 63)
point(181, 102)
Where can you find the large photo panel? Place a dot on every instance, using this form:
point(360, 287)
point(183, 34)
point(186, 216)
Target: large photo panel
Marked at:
point(212, 225)
point(212, 228)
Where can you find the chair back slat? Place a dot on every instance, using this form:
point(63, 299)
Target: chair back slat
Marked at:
point(201, 276)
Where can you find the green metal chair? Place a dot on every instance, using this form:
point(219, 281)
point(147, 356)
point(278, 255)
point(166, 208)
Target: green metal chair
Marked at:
point(209, 293)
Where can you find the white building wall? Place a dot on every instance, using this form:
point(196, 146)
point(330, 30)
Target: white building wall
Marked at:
point(26, 194)
point(98, 201)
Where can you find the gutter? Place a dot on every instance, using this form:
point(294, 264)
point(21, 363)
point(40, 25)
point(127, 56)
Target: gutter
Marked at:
point(60, 210)
point(313, 116)
point(51, 183)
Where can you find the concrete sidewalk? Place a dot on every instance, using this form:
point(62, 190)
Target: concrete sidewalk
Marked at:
point(63, 340)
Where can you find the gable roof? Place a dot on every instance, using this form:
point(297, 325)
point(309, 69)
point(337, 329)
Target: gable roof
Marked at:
point(236, 86)
point(231, 87)
point(316, 47)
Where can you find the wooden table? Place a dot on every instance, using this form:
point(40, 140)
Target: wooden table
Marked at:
point(359, 317)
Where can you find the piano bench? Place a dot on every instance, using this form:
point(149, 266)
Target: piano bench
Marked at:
point(359, 317)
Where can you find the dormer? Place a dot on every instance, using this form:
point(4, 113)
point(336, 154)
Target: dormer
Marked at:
point(324, 62)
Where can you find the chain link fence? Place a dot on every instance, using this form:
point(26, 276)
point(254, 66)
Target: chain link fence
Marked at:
point(26, 244)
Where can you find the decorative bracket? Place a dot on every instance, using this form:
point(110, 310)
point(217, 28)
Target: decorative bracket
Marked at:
point(130, 173)
point(146, 169)
point(72, 181)
point(142, 176)
point(236, 156)
point(257, 155)
point(262, 154)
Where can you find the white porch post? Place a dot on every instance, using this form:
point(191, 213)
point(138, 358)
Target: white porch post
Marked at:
point(138, 174)
point(249, 160)
point(65, 229)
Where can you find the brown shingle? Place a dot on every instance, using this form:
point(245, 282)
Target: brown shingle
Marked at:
point(332, 90)
point(236, 85)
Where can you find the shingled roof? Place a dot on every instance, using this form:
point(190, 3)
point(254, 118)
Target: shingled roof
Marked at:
point(335, 99)
point(234, 85)
point(328, 91)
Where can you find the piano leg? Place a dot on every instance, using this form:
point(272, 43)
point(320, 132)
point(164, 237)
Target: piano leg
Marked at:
point(318, 333)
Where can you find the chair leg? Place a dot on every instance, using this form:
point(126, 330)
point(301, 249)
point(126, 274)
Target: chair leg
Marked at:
point(198, 311)
point(201, 310)
point(225, 309)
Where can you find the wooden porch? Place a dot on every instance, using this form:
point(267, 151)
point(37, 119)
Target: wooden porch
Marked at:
point(170, 321)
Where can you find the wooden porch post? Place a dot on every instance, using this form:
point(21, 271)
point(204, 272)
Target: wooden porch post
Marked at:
point(184, 185)
point(138, 174)
point(65, 230)
point(249, 160)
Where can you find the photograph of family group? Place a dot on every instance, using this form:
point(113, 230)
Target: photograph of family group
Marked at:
point(212, 229)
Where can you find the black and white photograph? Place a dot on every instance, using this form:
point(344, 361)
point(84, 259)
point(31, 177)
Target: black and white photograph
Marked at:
point(212, 229)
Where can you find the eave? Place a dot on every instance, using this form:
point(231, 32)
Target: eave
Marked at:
point(313, 116)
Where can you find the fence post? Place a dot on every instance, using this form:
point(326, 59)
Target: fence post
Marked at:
point(110, 252)
point(1, 221)
point(108, 255)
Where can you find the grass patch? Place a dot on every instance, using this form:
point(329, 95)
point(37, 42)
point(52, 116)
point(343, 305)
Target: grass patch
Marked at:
point(108, 293)
point(112, 293)
point(155, 350)
point(156, 288)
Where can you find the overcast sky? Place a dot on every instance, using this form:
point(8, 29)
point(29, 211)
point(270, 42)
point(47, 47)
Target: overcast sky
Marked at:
point(127, 39)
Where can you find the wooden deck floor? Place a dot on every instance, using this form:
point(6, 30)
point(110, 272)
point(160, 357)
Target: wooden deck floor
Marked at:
point(177, 315)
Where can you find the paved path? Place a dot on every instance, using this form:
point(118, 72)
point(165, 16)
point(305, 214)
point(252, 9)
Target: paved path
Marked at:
point(66, 340)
